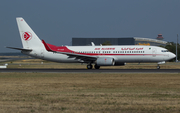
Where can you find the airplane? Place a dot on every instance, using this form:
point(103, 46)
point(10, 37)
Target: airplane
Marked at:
point(115, 55)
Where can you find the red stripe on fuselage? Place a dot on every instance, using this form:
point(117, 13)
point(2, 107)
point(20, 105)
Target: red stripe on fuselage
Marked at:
point(59, 48)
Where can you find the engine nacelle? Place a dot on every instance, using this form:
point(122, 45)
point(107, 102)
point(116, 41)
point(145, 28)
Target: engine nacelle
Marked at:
point(105, 61)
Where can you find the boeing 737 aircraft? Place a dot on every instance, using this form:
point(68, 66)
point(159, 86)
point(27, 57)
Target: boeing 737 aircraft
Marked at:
point(97, 55)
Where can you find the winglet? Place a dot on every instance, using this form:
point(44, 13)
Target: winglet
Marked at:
point(46, 46)
point(92, 43)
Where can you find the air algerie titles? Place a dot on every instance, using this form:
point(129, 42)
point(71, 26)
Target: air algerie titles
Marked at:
point(121, 48)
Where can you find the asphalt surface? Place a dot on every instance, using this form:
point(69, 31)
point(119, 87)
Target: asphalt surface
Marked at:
point(7, 70)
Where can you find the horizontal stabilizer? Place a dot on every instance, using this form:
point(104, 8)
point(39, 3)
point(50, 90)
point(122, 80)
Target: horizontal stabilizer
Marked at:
point(22, 49)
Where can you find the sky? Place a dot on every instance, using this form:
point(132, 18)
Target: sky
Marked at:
point(57, 21)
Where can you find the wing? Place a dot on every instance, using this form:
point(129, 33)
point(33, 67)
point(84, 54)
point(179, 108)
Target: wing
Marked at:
point(80, 57)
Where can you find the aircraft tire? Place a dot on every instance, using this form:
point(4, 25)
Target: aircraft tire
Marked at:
point(89, 66)
point(96, 66)
point(158, 67)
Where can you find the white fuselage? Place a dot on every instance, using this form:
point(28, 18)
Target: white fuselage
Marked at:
point(128, 53)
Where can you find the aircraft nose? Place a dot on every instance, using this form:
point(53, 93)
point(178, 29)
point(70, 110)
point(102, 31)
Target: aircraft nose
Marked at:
point(172, 55)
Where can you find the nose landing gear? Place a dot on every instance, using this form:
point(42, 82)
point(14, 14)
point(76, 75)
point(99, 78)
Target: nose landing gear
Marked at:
point(163, 62)
point(158, 67)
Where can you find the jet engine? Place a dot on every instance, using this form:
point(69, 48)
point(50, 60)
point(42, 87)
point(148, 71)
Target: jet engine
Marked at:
point(105, 61)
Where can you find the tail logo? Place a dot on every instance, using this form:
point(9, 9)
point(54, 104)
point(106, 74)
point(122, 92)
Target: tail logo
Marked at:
point(27, 36)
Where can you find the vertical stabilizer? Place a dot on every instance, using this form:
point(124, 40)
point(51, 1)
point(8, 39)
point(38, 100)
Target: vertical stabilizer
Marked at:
point(29, 39)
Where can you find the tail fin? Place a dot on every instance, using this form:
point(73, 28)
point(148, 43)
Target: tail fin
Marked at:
point(29, 39)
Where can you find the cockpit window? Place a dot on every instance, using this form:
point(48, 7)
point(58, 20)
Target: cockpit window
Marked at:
point(164, 51)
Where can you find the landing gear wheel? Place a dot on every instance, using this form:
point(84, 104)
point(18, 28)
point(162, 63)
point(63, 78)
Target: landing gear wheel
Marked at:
point(96, 66)
point(158, 67)
point(89, 66)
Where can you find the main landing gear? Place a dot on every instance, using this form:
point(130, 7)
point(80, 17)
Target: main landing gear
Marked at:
point(89, 66)
point(96, 66)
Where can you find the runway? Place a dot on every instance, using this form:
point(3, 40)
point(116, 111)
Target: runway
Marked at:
point(8, 70)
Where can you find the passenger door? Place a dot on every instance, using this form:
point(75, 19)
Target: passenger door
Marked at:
point(154, 51)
